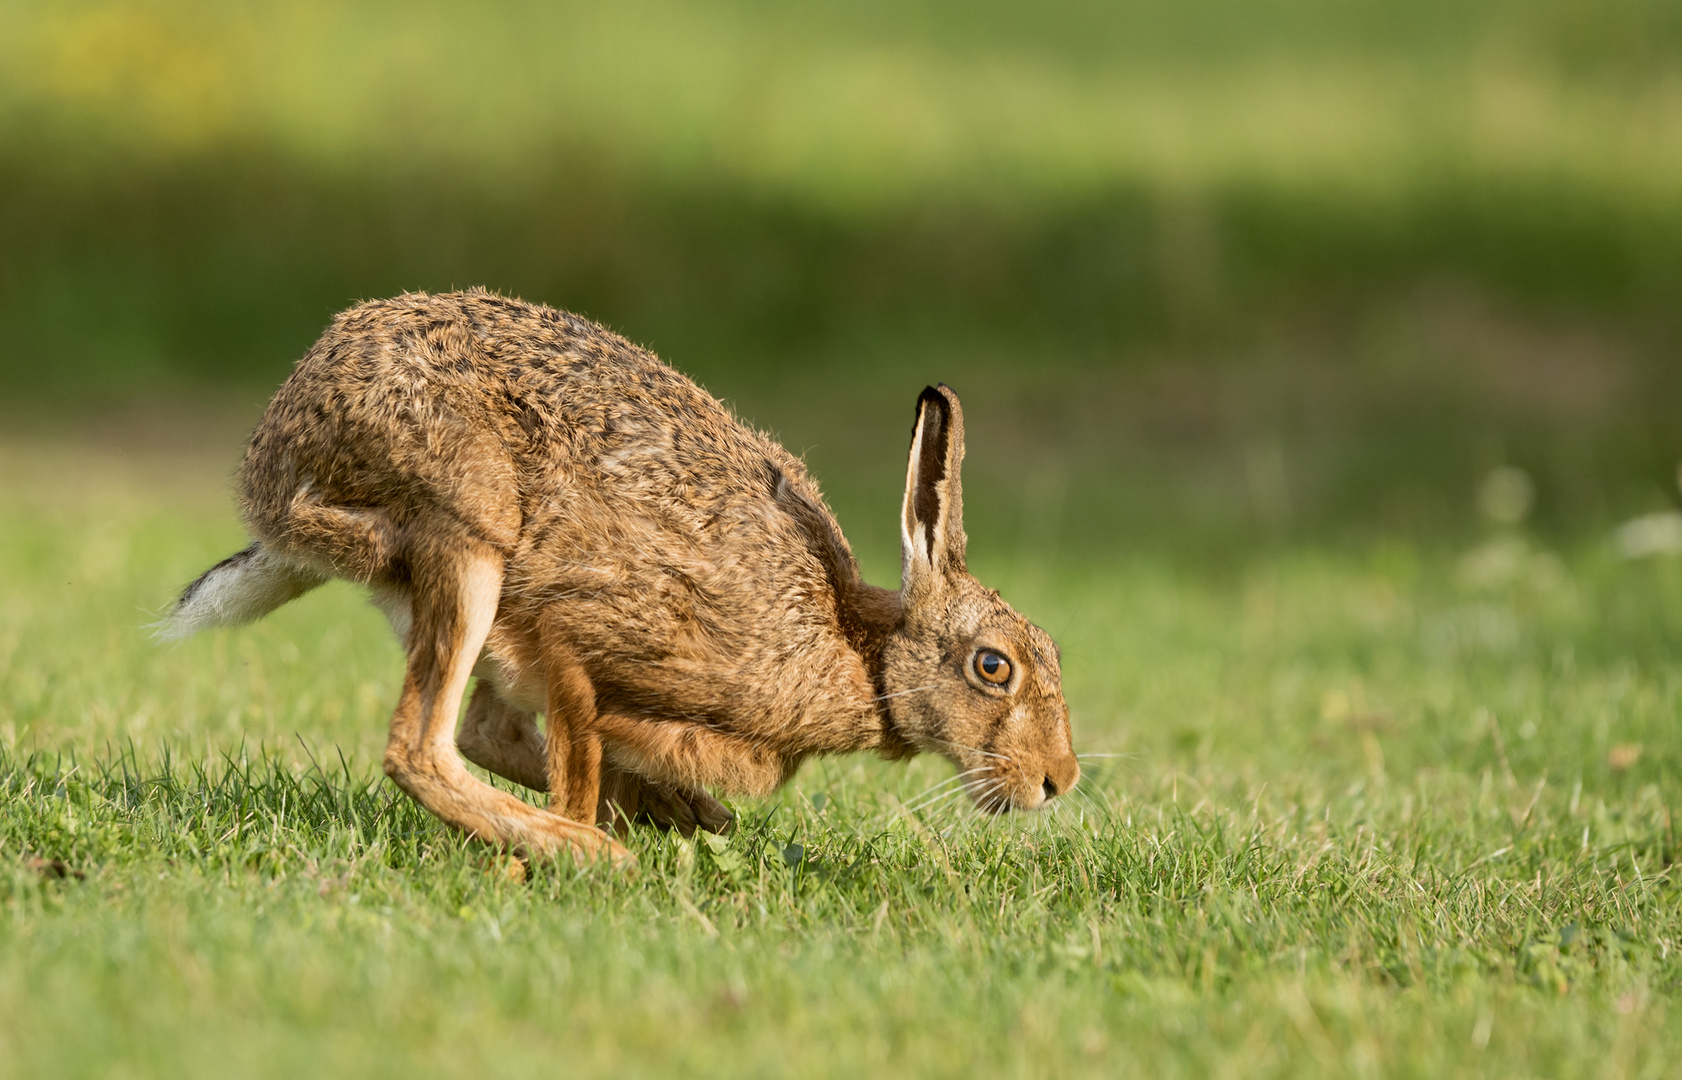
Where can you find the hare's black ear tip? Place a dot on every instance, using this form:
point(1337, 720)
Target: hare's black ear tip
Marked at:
point(939, 394)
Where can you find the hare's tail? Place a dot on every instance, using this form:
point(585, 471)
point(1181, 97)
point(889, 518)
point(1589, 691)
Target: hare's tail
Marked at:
point(239, 589)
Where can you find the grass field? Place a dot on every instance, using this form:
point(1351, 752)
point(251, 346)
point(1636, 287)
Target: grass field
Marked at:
point(1376, 811)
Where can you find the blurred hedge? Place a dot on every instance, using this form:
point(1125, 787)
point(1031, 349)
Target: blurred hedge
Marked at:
point(1373, 248)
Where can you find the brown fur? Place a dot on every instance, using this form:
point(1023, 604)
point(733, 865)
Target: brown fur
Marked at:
point(537, 501)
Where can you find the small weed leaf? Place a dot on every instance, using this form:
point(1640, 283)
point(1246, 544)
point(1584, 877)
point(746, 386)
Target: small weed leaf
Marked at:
point(725, 859)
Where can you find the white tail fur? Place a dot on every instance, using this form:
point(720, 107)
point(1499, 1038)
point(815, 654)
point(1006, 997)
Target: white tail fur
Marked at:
point(239, 589)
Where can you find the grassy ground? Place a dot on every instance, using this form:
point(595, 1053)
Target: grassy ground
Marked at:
point(1384, 810)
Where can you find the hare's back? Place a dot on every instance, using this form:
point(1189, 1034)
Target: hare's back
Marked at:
point(464, 400)
point(632, 505)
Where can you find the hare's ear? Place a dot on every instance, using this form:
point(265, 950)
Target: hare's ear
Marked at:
point(932, 520)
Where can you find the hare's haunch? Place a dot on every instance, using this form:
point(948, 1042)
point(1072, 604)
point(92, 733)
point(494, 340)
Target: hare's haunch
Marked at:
point(539, 503)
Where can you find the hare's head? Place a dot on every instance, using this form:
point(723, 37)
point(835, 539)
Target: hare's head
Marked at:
point(967, 677)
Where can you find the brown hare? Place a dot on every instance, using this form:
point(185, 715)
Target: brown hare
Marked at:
point(533, 500)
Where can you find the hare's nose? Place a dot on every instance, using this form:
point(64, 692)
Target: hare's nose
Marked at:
point(1063, 776)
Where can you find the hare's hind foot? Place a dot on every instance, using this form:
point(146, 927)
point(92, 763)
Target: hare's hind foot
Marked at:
point(450, 621)
point(627, 798)
point(503, 739)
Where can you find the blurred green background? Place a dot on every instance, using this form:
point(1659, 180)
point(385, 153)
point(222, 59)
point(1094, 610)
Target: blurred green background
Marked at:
point(1210, 277)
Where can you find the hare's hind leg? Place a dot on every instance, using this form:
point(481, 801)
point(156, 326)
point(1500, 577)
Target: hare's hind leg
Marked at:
point(454, 601)
point(503, 738)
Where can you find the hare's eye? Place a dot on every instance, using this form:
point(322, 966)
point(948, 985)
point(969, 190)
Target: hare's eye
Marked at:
point(992, 667)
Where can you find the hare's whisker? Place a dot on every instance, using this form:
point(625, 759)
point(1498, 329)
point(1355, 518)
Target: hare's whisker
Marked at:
point(934, 795)
point(939, 804)
point(902, 693)
point(1086, 798)
point(959, 778)
point(967, 781)
point(990, 798)
point(932, 789)
point(930, 802)
point(971, 749)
